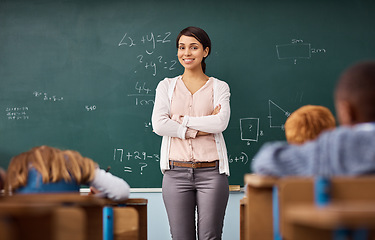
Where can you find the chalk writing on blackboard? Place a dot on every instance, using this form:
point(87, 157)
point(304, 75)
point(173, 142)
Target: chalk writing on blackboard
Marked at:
point(249, 129)
point(90, 108)
point(131, 41)
point(47, 97)
point(131, 157)
point(121, 151)
point(242, 158)
point(143, 165)
point(276, 115)
point(297, 49)
point(17, 113)
point(148, 58)
point(143, 96)
point(128, 169)
point(169, 65)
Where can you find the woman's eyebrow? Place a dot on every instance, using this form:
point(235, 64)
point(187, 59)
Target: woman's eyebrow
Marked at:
point(189, 44)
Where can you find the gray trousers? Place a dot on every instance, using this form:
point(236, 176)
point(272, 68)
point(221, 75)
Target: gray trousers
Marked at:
point(203, 189)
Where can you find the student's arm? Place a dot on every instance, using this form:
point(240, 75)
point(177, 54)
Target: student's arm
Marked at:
point(343, 151)
point(281, 159)
point(325, 156)
point(110, 186)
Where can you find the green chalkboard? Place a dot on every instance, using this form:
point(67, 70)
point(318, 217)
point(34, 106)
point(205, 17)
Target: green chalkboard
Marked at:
point(82, 74)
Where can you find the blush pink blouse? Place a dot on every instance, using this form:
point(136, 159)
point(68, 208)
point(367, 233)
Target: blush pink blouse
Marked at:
point(192, 148)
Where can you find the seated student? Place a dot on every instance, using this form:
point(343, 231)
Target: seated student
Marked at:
point(2, 179)
point(47, 169)
point(307, 122)
point(347, 150)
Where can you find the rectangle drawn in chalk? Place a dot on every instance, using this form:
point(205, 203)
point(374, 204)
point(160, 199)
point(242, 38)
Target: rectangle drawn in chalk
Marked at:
point(294, 51)
point(249, 129)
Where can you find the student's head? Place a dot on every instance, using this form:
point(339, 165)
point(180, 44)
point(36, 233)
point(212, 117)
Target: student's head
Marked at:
point(355, 94)
point(193, 46)
point(2, 178)
point(53, 164)
point(307, 122)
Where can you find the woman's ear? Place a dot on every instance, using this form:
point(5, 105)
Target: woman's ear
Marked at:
point(206, 52)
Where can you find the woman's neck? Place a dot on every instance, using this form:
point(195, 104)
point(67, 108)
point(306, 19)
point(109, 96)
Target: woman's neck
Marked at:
point(192, 76)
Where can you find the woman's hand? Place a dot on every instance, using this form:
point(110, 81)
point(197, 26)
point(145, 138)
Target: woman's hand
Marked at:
point(93, 191)
point(214, 112)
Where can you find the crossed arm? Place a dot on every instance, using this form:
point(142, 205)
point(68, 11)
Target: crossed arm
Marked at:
point(179, 126)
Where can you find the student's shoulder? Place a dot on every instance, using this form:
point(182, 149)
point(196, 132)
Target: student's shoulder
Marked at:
point(348, 134)
point(365, 127)
point(360, 128)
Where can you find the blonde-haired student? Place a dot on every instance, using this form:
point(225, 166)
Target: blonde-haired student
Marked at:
point(307, 122)
point(47, 169)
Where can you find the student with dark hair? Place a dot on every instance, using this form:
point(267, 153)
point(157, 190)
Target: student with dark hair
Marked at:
point(347, 150)
point(2, 179)
point(307, 123)
point(191, 111)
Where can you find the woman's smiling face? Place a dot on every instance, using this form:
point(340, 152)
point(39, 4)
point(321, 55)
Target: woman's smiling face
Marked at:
point(190, 52)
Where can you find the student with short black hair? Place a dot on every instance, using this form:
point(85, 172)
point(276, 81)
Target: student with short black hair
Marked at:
point(347, 150)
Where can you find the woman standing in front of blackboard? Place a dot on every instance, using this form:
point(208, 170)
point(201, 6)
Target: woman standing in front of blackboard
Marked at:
point(191, 111)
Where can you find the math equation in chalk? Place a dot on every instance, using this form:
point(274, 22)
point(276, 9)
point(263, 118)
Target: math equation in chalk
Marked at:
point(143, 96)
point(148, 57)
point(17, 113)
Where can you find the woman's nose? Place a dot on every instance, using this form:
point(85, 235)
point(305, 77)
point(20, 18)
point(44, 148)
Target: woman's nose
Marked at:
point(187, 52)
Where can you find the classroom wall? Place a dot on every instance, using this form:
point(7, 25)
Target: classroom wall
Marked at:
point(158, 228)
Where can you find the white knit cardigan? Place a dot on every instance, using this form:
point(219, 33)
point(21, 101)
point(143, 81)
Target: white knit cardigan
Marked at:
point(167, 128)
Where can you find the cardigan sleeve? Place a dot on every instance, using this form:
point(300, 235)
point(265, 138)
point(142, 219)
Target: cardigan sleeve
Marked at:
point(214, 123)
point(162, 123)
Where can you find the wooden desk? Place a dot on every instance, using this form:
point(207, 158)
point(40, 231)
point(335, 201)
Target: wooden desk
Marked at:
point(125, 224)
point(295, 191)
point(257, 207)
point(311, 222)
point(91, 205)
point(41, 222)
point(139, 204)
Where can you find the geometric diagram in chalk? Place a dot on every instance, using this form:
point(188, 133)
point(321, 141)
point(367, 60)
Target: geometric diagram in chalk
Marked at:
point(249, 129)
point(294, 51)
point(276, 115)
